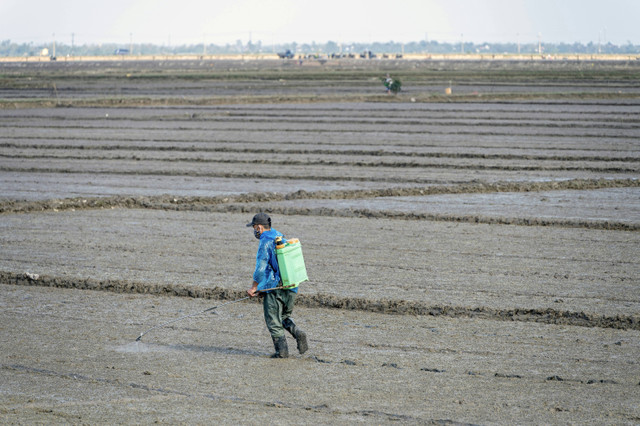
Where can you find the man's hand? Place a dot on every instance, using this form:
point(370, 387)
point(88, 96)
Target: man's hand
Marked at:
point(253, 291)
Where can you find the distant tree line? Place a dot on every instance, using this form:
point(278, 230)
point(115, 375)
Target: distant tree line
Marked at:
point(9, 48)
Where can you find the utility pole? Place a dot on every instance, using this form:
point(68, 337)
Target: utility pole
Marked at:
point(461, 43)
point(130, 43)
point(599, 35)
point(54, 45)
point(518, 39)
point(539, 44)
point(72, 42)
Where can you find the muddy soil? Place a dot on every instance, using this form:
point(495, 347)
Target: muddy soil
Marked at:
point(606, 205)
point(161, 79)
point(421, 265)
point(473, 259)
point(183, 151)
point(70, 356)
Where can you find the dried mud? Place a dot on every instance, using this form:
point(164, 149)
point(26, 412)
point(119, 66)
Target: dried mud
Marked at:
point(473, 258)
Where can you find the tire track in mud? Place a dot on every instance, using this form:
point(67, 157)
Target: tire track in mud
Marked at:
point(84, 139)
point(246, 203)
point(234, 175)
point(308, 162)
point(382, 129)
point(613, 119)
point(466, 122)
point(153, 100)
point(349, 152)
point(452, 109)
point(449, 114)
point(331, 301)
point(610, 119)
point(323, 408)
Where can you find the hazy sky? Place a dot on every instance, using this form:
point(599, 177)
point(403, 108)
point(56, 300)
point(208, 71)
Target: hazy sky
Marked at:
point(176, 22)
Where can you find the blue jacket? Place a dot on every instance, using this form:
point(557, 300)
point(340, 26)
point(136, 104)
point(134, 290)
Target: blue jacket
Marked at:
point(267, 274)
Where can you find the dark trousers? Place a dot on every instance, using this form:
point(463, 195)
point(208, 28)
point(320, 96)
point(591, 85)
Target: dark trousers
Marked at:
point(278, 306)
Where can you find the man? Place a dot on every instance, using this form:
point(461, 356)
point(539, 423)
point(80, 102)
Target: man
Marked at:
point(277, 304)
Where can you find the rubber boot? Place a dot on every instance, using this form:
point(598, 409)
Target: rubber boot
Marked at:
point(299, 335)
point(282, 350)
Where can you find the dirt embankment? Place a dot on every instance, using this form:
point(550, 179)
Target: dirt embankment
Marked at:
point(246, 203)
point(387, 306)
point(296, 151)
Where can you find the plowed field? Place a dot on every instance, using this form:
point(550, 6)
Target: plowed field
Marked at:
point(473, 258)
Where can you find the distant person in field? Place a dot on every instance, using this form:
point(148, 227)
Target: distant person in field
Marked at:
point(387, 83)
point(277, 303)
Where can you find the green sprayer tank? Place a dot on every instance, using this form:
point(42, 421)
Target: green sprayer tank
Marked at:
point(290, 262)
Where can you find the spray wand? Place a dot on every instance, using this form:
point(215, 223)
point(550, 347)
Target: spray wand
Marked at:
point(202, 312)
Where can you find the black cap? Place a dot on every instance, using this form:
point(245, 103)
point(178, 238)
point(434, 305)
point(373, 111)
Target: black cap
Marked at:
point(260, 219)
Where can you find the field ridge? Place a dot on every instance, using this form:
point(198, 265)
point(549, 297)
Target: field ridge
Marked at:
point(246, 203)
point(331, 301)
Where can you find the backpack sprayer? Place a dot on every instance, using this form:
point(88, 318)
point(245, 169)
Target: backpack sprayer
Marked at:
point(290, 262)
point(292, 273)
